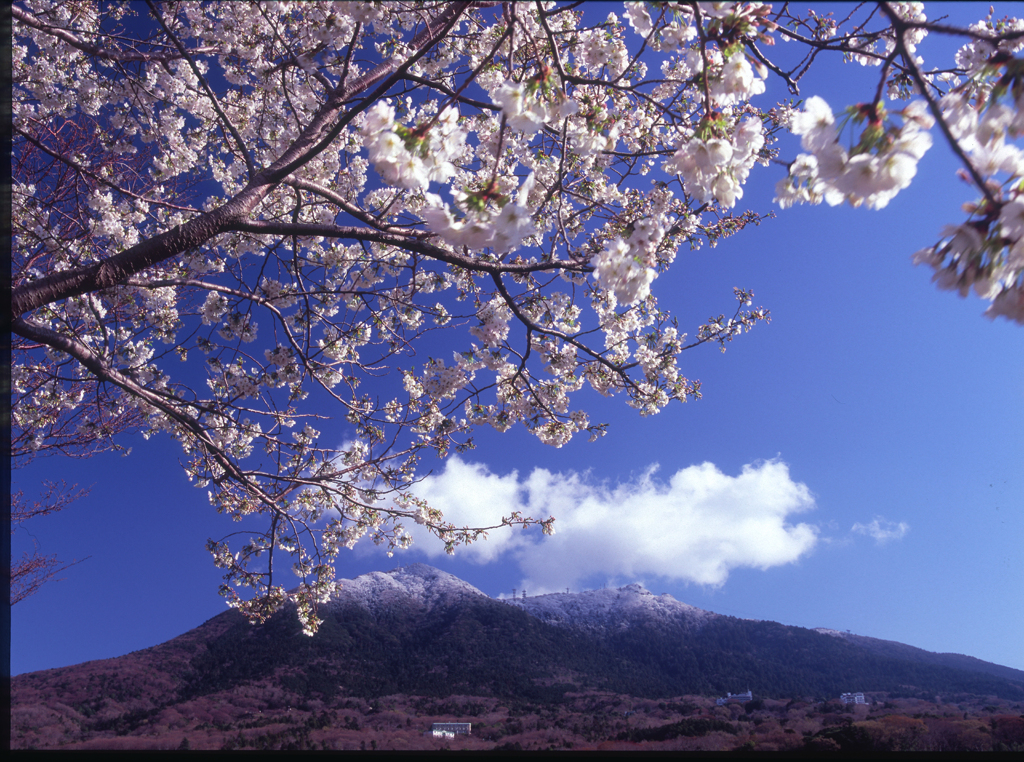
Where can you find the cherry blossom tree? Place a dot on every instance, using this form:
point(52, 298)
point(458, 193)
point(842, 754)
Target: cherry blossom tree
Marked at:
point(424, 218)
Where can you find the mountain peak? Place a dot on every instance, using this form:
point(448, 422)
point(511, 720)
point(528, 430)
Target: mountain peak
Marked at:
point(413, 584)
point(610, 610)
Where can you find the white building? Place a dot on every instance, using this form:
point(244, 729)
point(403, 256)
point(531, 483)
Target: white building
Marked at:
point(853, 698)
point(451, 729)
point(735, 698)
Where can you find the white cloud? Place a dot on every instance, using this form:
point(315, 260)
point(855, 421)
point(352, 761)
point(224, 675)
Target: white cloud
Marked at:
point(696, 527)
point(882, 531)
point(470, 495)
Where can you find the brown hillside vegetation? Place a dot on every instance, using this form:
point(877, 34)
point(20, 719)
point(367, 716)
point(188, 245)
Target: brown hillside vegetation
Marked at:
point(92, 707)
point(199, 691)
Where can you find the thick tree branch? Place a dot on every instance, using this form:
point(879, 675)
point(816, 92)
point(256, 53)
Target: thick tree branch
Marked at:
point(408, 243)
point(118, 268)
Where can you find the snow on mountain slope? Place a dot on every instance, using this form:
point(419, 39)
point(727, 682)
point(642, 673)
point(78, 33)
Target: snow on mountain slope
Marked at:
point(417, 584)
point(595, 611)
point(610, 610)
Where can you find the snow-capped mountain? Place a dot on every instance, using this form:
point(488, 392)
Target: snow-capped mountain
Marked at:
point(612, 610)
point(421, 632)
point(624, 615)
point(417, 585)
point(598, 612)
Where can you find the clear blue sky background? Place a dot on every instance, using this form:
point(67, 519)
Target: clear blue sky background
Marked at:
point(886, 398)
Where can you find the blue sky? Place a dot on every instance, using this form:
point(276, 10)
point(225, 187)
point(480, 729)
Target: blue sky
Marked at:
point(857, 464)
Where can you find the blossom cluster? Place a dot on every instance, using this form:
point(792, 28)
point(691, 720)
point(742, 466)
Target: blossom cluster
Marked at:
point(412, 158)
point(625, 266)
point(483, 226)
point(714, 163)
point(602, 50)
point(525, 108)
point(882, 163)
point(986, 253)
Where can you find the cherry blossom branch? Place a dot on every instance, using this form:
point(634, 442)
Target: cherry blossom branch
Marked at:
point(96, 177)
point(387, 74)
point(339, 200)
point(94, 50)
point(195, 232)
point(619, 370)
point(92, 362)
point(415, 245)
point(30, 572)
point(899, 26)
point(785, 76)
point(294, 59)
point(242, 149)
point(453, 95)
